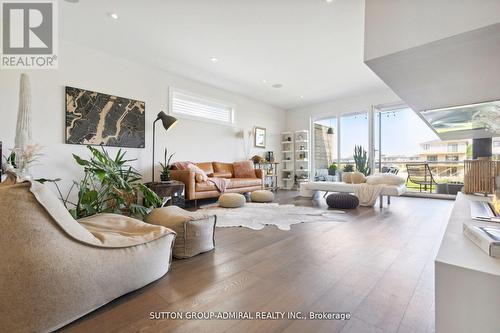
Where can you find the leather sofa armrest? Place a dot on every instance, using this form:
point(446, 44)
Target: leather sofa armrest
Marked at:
point(188, 178)
point(260, 174)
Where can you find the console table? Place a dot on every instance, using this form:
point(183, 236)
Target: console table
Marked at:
point(467, 280)
point(171, 191)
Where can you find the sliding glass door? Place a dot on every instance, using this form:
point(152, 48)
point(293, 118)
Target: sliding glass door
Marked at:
point(325, 149)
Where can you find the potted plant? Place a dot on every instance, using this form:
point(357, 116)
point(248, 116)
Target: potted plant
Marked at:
point(332, 169)
point(348, 168)
point(165, 167)
point(361, 160)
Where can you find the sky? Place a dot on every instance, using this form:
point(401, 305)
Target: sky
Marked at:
point(402, 132)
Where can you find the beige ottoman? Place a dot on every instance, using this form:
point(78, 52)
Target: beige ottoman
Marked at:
point(195, 231)
point(262, 196)
point(232, 200)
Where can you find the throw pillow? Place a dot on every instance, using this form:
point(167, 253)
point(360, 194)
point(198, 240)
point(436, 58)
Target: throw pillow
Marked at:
point(357, 178)
point(244, 169)
point(346, 177)
point(385, 179)
point(200, 175)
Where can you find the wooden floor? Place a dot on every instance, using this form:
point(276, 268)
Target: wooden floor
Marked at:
point(378, 266)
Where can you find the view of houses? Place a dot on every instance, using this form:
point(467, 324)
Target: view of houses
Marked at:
point(445, 158)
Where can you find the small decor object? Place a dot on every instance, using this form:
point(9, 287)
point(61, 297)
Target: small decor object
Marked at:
point(361, 160)
point(289, 139)
point(23, 128)
point(232, 200)
point(262, 196)
point(168, 122)
point(332, 169)
point(260, 137)
point(342, 201)
point(165, 166)
point(257, 159)
point(94, 118)
point(269, 156)
point(195, 230)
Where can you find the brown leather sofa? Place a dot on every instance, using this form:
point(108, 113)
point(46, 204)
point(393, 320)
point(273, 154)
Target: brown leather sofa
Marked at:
point(202, 190)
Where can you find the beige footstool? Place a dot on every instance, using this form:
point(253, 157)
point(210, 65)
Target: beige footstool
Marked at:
point(195, 231)
point(262, 196)
point(232, 200)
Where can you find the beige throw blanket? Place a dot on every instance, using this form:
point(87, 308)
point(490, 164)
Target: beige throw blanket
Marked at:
point(220, 183)
point(101, 230)
point(367, 194)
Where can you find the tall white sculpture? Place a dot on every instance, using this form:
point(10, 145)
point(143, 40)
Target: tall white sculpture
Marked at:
point(23, 128)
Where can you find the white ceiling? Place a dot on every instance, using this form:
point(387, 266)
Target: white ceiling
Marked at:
point(313, 48)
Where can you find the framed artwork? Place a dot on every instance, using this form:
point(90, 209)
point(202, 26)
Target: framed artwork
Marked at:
point(260, 137)
point(94, 118)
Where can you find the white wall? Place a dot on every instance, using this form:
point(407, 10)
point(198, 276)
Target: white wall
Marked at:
point(299, 118)
point(395, 25)
point(94, 70)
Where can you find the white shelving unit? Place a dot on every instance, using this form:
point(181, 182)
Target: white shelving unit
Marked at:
point(287, 160)
point(301, 156)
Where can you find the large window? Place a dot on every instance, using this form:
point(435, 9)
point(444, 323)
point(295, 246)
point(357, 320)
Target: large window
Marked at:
point(199, 108)
point(353, 132)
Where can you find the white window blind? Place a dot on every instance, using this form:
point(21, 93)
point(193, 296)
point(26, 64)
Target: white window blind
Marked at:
point(184, 104)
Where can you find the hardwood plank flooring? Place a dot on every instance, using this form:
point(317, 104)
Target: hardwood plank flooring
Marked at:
point(377, 265)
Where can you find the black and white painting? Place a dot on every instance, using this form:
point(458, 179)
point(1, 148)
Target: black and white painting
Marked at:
point(94, 118)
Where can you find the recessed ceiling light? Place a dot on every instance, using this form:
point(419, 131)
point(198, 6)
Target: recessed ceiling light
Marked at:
point(214, 59)
point(264, 81)
point(329, 1)
point(277, 85)
point(301, 96)
point(114, 16)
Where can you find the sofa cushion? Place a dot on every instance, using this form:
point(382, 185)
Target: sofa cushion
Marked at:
point(244, 169)
point(233, 183)
point(220, 167)
point(244, 182)
point(222, 175)
point(207, 167)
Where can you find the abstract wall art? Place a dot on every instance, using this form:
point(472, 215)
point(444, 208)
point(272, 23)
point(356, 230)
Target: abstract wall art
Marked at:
point(94, 118)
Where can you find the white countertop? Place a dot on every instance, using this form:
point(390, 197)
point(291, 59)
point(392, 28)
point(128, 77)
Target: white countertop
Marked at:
point(456, 249)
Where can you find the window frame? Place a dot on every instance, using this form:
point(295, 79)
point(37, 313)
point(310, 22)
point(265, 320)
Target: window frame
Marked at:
point(173, 91)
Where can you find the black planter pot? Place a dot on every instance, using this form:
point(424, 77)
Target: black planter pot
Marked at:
point(332, 172)
point(164, 178)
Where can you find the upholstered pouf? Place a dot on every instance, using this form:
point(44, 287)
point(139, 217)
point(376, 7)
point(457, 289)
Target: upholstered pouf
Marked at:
point(342, 201)
point(195, 231)
point(262, 196)
point(232, 200)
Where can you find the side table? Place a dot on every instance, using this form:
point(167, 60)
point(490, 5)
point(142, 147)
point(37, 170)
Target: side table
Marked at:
point(171, 191)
